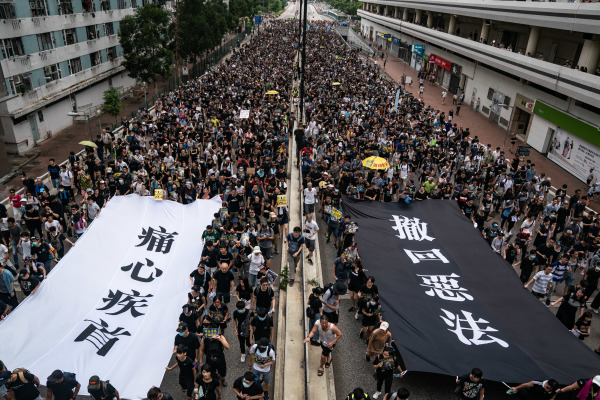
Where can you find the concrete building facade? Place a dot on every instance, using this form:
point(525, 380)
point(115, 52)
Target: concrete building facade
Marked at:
point(531, 67)
point(57, 57)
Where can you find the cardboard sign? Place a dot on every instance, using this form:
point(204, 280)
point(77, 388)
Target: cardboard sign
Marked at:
point(210, 332)
point(244, 114)
point(282, 200)
point(159, 194)
point(335, 213)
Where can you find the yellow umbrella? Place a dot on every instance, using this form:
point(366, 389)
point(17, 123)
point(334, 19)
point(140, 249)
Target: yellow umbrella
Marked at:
point(336, 84)
point(89, 144)
point(375, 163)
point(272, 92)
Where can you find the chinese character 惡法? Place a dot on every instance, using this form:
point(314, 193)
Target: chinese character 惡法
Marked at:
point(446, 287)
point(470, 331)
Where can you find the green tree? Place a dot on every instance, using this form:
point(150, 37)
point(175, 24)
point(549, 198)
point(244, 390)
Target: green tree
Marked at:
point(112, 103)
point(202, 24)
point(144, 38)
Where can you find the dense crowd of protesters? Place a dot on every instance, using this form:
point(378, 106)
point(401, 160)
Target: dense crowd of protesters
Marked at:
point(196, 145)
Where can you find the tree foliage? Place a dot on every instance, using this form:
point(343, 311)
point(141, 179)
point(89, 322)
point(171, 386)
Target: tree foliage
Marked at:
point(346, 6)
point(112, 102)
point(144, 37)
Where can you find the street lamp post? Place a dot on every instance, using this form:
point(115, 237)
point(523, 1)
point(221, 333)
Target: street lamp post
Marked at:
point(99, 113)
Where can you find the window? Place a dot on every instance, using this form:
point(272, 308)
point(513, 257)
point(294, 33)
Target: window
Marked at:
point(65, 7)
point(12, 47)
point(92, 32)
point(96, 58)
point(21, 83)
point(88, 6)
point(75, 65)
point(70, 36)
point(45, 41)
point(109, 29)
point(121, 4)
point(111, 52)
point(38, 8)
point(7, 11)
point(105, 5)
point(490, 94)
point(52, 73)
point(134, 3)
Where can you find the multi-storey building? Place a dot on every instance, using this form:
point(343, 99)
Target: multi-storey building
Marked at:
point(531, 67)
point(57, 57)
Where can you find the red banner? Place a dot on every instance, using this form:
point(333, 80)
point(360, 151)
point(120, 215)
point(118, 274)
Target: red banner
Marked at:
point(440, 61)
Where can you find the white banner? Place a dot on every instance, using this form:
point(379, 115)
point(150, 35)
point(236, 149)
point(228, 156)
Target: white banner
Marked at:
point(574, 154)
point(244, 114)
point(110, 307)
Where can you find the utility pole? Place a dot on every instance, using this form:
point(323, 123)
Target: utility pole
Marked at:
point(176, 42)
point(302, 79)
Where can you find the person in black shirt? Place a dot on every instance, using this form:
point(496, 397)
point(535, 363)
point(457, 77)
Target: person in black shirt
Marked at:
point(24, 385)
point(471, 386)
point(190, 317)
point(200, 278)
point(209, 257)
point(261, 326)
point(224, 256)
point(385, 364)
point(61, 386)
point(241, 323)
point(207, 384)
point(102, 390)
point(191, 341)
point(156, 394)
point(214, 348)
point(28, 283)
point(41, 253)
point(224, 279)
point(246, 387)
point(187, 371)
point(263, 296)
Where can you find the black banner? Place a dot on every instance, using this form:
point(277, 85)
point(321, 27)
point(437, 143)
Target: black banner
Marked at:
point(453, 304)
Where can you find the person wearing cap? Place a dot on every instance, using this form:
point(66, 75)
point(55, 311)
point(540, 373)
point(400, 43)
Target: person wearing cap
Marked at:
point(247, 388)
point(102, 390)
point(379, 340)
point(190, 341)
point(28, 283)
point(295, 245)
point(329, 335)
point(190, 317)
point(263, 356)
point(61, 387)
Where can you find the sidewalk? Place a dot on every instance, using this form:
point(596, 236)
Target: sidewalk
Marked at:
point(487, 131)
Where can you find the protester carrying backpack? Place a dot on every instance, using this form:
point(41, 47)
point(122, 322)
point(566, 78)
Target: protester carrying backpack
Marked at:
point(63, 385)
point(102, 390)
point(24, 385)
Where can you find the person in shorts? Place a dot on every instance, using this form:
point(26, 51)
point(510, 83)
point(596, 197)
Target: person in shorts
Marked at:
point(329, 334)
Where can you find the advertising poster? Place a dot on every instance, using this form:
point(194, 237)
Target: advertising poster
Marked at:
point(573, 154)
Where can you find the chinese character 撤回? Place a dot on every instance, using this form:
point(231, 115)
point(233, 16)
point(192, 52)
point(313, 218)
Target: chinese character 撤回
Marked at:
point(127, 302)
point(446, 287)
point(157, 240)
point(410, 228)
point(99, 335)
point(137, 268)
point(417, 256)
point(470, 331)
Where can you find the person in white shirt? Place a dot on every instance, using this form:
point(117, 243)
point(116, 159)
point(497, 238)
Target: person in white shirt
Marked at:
point(263, 356)
point(310, 195)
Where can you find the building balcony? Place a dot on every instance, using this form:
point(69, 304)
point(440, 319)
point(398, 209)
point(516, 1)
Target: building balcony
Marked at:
point(31, 26)
point(579, 17)
point(578, 85)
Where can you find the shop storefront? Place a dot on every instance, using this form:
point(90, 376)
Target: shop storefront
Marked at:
point(416, 61)
point(441, 69)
